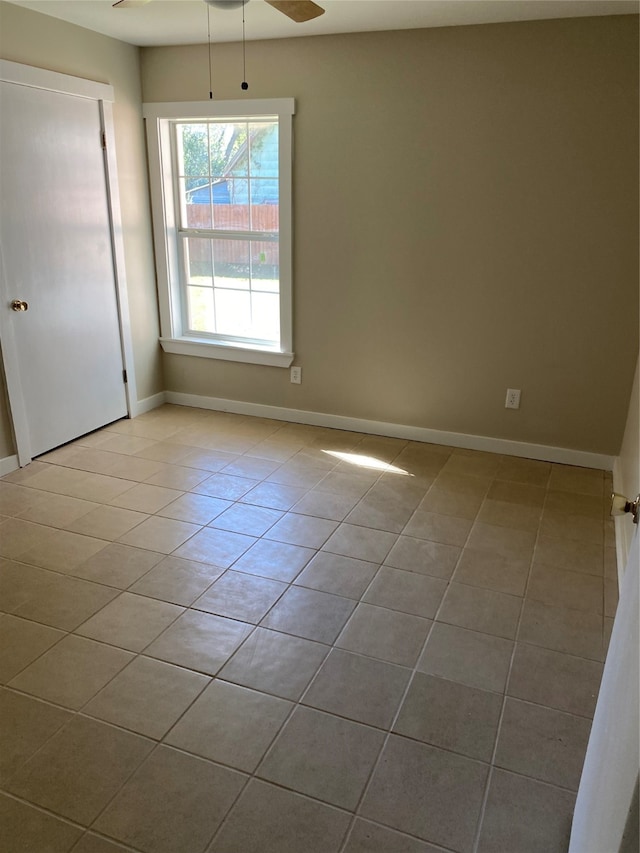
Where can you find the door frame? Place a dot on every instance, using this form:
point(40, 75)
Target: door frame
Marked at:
point(103, 94)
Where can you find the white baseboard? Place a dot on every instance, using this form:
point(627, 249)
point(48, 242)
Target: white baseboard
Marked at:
point(8, 464)
point(149, 403)
point(563, 455)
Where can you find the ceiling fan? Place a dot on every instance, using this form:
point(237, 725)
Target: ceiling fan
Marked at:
point(298, 10)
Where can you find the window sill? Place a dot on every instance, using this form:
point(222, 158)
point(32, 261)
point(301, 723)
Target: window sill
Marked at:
point(227, 352)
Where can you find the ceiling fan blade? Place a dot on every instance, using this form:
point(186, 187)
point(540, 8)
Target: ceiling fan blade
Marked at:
point(298, 10)
point(129, 4)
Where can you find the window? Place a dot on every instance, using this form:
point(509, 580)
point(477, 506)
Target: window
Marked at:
point(221, 196)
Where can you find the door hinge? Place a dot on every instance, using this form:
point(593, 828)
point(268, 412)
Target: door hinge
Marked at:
point(104, 139)
point(124, 376)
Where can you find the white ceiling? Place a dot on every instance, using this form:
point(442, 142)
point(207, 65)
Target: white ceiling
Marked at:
point(164, 22)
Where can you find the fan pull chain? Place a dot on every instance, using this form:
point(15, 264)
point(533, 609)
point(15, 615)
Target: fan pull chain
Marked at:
point(209, 50)
point(244, 85)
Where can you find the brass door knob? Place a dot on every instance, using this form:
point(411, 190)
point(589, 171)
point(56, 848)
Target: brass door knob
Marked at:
point(19, 305)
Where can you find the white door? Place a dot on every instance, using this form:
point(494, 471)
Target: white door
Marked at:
point(610, 772)
point(55, 238)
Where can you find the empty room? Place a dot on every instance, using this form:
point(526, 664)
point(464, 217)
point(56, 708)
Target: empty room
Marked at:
point(319, 426)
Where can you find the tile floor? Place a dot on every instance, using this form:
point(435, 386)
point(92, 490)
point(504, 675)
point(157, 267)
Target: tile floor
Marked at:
point(234, 635)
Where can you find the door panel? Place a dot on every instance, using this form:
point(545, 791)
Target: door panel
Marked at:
point(57, 252)
point(610, 773)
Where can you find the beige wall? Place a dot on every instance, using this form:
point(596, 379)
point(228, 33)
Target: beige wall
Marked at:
point(46, 42)
point(465, 221)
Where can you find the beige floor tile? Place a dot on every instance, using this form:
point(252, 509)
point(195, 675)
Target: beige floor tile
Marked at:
point(240, 596)
point(408, 592)
point(561, 524)
point(525, 815)
point(250, 466)
point(63, 551)
point(362, 543)
point(275, 663)
point(117, 565)
point(302, 530)
point(80, 769)
point(325, 505)
point(21, 642)
point(411, 774)
point(512, 515)
point(528, 471)
point(502, 541)
point(206, 460)
point(244, 518)
point(16, 499)
point(585, 557)
point(130, 621)
point(57, 510)
point(199, 641)
point(338, 575)
point(274, 496)
point(160, 534)
point(71, 672)
point(145, 498)
point(450, 715)
point(477, 660)
point(231, 725)
point(23, 827)
point(218, 547)
point(173, 804)
point(92, 843)
point(97, 487)
point(17, 537)
point(556, 680)
point(26, 725)
point(481, 610)
point(65, 602)
point(543, 743)
point(521, 494)
point(178, 477)
point(107, 522)
point(591, 506)
point(198, 509)
point(423, 556)
point(566, 589)
point(585, 481)
point(367, 837)
point(385, 634)
point(165, 451)
point(493, 571)
point(275, 560)
point(310, 614)
point(177, 581)
point(224, 486)
point(310, 756)
point(359, 688)
point(255, 824)
point(447, 501)
point(573, 632)
point(147, 696)
point(353, 484)
point(19, 583)
point(445, 529)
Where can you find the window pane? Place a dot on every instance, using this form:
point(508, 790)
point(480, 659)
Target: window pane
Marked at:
point(196, 204)
point(233, 312)
point(265, 268)
point(200, 309)
point(263, 144)
point(198, 261)
point(266, 316)
point(228, 149)
point(231, 264)
point(193, 147)
point(231, 205)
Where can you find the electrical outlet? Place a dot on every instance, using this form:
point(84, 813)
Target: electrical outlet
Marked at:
point(296, 375)
point(513, 398)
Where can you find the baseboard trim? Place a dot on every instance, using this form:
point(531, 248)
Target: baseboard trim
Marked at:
point(8, 464)
point(149, 403)
point(563, 455)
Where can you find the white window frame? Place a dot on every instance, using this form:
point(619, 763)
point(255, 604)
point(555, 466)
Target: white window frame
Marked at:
point(164, 205)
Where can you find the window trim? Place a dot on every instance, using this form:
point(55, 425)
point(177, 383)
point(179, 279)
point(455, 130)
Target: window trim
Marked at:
point(159, 118)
